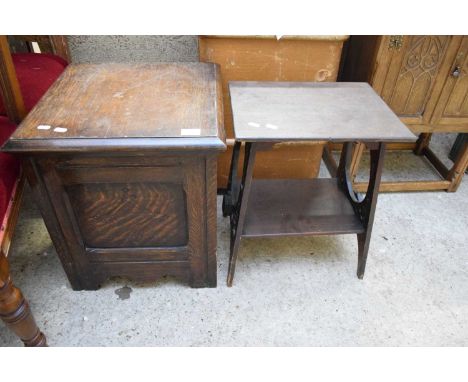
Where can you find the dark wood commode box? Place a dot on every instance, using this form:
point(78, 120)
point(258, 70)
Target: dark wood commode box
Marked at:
point(121, 159)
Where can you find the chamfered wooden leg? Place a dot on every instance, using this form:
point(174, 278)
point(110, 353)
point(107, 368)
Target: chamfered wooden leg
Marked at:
point(235, 243)
point(238, 213)
point(228, 198)
point(363, 248)
point(364, 207)
point(367, 211)
point(422, 143)
point(456, 173)
point(15, 311)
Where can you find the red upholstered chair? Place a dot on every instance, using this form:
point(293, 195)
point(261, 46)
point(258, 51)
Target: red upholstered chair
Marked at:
point(9, 171)
point(24, 78)
point(36, 72)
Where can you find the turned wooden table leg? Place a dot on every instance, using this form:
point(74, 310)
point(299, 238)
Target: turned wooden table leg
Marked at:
point(14, 309)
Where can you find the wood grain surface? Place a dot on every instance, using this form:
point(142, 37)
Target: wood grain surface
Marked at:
point(301, 207)
point(127, 100)
point(272, 111)
point(130, 214)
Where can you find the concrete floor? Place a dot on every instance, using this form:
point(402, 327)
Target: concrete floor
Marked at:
point(292, 291)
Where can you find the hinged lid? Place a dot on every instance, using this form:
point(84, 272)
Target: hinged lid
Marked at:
point(107, 106)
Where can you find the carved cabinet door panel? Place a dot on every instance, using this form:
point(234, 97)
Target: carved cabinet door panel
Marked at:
point(452, 107)
point(406, 73)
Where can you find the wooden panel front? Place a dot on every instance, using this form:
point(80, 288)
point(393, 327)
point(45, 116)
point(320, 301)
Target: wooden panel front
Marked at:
point(406, 75)
point(452, 108)
point(125, 206)
point(269, 59)
point(130, 214)
point(118, 213)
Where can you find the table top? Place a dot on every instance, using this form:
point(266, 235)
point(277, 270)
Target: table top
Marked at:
point(282, 37)
point(118, 104)
point(332, 111)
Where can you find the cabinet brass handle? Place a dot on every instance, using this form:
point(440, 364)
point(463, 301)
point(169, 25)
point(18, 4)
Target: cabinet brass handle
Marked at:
point(395, 42)
point(456, 72)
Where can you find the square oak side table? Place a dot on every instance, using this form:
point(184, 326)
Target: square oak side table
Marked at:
point(266, 113)
point(121, 159)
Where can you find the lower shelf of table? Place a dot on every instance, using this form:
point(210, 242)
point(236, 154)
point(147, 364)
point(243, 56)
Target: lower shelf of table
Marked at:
point(291, 207)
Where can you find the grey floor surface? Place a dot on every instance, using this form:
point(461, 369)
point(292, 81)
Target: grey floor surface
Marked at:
point(287, 291)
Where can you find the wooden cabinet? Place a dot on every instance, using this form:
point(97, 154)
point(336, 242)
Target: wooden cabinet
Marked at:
point(121, 159)
point(407, 82)
point(424, 80)
point(265, 58)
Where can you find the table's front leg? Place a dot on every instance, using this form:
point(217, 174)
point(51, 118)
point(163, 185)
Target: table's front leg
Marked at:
point(15, 311)
point(237, 216)
point(228, 198)
point(363, 206)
